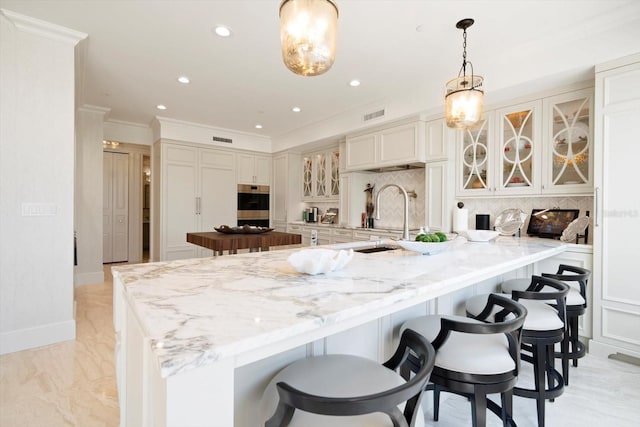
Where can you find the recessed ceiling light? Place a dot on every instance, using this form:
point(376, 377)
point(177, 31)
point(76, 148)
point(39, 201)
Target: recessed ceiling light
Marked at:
point(354, 83)
point(296, 109)
point(258, 126)
point(161, 107)
point(223, 31)
point(184, 79)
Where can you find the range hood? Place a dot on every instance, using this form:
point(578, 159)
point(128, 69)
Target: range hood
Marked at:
point(397, 168)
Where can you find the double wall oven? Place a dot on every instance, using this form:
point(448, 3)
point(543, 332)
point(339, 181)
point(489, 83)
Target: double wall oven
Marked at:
point(253, 205)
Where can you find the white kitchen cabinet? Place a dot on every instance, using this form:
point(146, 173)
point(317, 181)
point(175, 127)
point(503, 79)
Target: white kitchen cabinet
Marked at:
point(353, 199)
point(568, 163)
point(474, 164)
point(398, 145)
point(321, 175)
point(254, 169)
point(197, 191)
point(438, 202)
point(539, 147)
point(285, 191)
point(341, 235)
point(438, 138)
point(519, 136)
point(616, 307)
point(439, 175)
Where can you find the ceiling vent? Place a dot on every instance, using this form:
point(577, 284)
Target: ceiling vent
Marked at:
point(219, 139)
point(374, 115)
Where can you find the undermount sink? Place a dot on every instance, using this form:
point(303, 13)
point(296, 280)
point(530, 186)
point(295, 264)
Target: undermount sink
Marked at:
point(375, 249)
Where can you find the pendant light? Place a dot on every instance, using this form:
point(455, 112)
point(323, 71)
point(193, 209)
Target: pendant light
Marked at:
point(308, 35)
point(464, 94)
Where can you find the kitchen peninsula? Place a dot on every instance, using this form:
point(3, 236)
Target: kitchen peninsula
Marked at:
point(198, 339)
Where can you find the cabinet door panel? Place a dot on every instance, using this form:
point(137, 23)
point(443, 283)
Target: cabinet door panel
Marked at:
point(246, 169)
point(218, 195)
point(399, 144)
point(263, 170)
point(179, 204)
point(474, 171)
point(519, 134)
point(568, 165)
point(361, 152)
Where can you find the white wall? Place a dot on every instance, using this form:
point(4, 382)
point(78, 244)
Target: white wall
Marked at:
point(88, 194)
point(36, 182)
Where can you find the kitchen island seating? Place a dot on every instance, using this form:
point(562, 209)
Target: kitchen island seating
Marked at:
point(577, 279)
point(476, 357)
point(544, 326)
point(345, 390)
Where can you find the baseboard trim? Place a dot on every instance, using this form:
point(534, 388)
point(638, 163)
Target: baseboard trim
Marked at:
point(24, 339)
point(600, 349)
point(93, 278)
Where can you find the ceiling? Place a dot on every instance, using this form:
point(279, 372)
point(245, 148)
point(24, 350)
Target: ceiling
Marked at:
point(402, 51)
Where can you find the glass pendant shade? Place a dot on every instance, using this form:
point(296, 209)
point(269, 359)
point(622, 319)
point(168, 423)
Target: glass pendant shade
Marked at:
point(308, 31)
point(464, 102)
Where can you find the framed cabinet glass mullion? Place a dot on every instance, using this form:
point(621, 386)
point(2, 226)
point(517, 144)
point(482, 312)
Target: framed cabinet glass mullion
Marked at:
point(307, 178)
point(335, 174)
point(519, 144)
point(321, 175)
point(474, 171)
point(568, 165)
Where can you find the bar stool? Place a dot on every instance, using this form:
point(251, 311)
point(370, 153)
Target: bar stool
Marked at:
point(345, 390)
point(544, 326)
point(577, 279)
point(476, 357)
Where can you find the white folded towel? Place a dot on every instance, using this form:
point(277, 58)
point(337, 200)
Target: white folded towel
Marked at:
point(318, 261)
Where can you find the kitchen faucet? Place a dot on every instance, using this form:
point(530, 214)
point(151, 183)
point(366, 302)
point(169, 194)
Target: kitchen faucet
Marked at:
point(406, 207)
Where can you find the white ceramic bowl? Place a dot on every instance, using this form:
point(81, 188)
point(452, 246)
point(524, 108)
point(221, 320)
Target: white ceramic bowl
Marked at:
point(319, 261)
point(424, 248)
point(479, 235)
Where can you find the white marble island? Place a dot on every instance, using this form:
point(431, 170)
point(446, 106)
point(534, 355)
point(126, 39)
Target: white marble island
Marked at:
point(199, 338)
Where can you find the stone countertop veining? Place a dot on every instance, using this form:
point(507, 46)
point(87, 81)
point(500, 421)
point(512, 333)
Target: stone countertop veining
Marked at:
point(197, 311)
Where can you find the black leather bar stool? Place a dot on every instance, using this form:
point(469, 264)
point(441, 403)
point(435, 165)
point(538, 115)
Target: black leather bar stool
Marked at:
point(544, 326)
point(344, 390)
point(476, 357)
point(577, 279)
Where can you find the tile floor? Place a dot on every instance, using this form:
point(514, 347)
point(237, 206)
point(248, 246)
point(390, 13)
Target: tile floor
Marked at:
point(73, 383)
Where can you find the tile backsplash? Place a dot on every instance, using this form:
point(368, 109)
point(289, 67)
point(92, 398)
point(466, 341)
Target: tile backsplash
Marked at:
point(391, 211)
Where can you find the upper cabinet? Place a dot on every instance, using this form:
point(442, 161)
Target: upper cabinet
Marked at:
point(320, 175)
point(475, 166)
point(518, 152)
point(533, 148)
point(398, 145)
point(253, 169)
point(568, 163)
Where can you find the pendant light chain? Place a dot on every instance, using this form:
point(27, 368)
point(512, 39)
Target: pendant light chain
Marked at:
point(464, 51)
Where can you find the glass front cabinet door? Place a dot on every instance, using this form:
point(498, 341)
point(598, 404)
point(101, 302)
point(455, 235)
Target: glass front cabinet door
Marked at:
point(307, 177)
point(474, 157)
point(519, 140)
point(567, 166)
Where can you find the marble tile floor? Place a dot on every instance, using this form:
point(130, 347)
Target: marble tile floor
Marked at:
point(70, 383)
point(73, 383)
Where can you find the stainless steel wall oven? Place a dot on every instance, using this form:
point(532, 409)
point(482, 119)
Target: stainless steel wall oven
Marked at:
point(253, 205)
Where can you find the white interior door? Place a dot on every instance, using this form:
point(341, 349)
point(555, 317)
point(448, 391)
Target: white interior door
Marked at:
point(115, 207)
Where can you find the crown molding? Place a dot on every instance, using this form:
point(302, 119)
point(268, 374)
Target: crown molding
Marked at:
point(43, 28)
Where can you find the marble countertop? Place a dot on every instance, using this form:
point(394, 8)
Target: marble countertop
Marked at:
point(197, 311)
